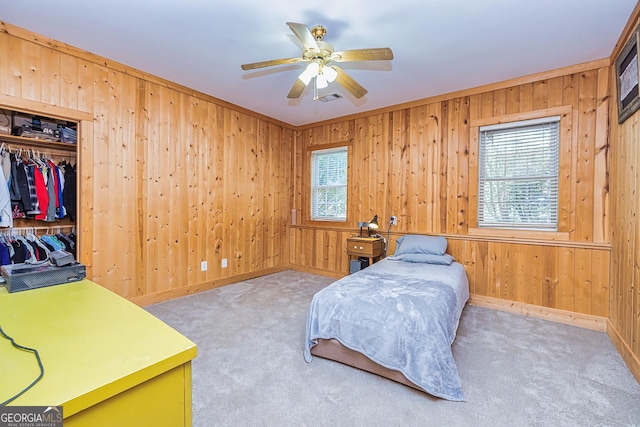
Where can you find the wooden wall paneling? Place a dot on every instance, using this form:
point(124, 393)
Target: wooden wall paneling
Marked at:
point(583, 281)
point(600, 276)
point(358, 205)
point(286, 149)
point(499, 98)
point(279, 213)
point(141, 196)
point(452, 164)
point(432, 168)
point(584, 171)
point(101, 203)
point(126, 180)
point(555, 92)
point(512, 99)
point(526, 97)
point(85, 86)
point(85, 173)
point(380, 166)
point(631, 246)
point(267, 212)
point(474, 143)
point(540, 95)
point(531, 284)
point(297, 160)
point(318, 249)
point(443, 164)
point(115, 94)
point(495, 273)
point(213, 192)
point(183, 162)
point(548, 267)
point(416, 192)
point(481, 268)
point(566, 289)
point(233, 206)
point(462, 193)
point(487, 106)
point(507, 253)
point(166, 260)
point(304, 210)
point(253, 218)
point(601, 229)
point(566, 181)
point(50, 77)
point(193, 116)
point(31, 77)
point(294, 239)
point(152, 188)
point(10, 70)
point(68, 81)
point(633, 307)
point(308, 246)
point(399, 164)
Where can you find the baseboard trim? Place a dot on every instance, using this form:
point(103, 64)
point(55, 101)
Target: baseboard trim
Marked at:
point(580, 320)
point(318, 271)
point(200, 287)
point(630, 359)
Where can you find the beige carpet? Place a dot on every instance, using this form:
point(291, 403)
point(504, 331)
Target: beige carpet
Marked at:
point(515, 370)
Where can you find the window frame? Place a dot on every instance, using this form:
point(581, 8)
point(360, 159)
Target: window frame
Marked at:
point(310, 176)
point(564, 180)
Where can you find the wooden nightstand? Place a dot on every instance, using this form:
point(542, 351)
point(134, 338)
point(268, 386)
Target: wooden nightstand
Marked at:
point(365, 247)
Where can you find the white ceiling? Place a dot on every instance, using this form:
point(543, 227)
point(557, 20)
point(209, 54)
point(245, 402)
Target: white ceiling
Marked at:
point(440, 46)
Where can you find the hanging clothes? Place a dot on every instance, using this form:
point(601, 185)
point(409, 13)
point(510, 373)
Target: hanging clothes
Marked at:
point(6, 215)
point(69, 191)
point(15, 249)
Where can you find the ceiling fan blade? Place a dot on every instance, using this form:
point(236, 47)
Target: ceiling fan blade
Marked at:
point(270, 63)
point(297, 89)
point(302, 32)
point(346, 81)
point(375, 54)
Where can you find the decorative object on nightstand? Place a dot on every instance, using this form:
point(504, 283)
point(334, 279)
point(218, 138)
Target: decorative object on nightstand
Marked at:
point(373, 224)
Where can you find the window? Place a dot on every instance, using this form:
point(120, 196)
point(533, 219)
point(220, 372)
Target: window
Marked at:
point(329, 184)
point(518, 169)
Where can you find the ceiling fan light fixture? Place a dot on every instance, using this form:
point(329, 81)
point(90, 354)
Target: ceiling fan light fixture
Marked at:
point(321, 81)
point(310, 72)
point(329, 73)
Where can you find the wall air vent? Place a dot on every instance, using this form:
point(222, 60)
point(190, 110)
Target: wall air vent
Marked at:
point(330, 97)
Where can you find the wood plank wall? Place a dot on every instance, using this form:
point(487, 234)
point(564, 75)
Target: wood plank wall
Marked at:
point(168, 177)
point(418, 162)
point(624, 307)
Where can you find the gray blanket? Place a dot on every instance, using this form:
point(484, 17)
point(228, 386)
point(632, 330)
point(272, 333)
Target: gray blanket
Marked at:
point(403, 316)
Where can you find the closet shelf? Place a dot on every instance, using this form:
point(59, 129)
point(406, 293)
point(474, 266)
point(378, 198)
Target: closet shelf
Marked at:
point(39, 143)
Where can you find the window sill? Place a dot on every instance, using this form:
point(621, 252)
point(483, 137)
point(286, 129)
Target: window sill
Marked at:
point(520, 234)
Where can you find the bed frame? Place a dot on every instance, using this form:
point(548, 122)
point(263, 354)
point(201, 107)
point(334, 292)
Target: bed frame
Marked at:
point(332, 349)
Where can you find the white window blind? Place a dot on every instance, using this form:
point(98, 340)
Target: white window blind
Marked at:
point(518, 175)
point(329, 184)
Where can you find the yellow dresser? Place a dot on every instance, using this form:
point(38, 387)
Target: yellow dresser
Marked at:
point(107, 361)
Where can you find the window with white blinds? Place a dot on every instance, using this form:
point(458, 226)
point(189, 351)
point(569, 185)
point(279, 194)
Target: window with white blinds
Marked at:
point(329, 184)
point(518, 168)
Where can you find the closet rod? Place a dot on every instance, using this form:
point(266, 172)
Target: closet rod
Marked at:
point(19, 230)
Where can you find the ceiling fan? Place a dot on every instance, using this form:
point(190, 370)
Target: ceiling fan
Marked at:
point(320, 56)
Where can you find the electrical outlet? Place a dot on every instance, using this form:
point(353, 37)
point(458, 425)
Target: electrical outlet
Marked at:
point(203, 266)
point(393, 220)
point(224, 263)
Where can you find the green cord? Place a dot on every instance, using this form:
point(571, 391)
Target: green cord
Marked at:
point(34, 351)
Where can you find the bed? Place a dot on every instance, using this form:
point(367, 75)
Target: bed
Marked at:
point(396, 318)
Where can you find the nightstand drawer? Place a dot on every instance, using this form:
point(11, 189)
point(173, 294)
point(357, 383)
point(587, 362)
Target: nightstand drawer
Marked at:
point(362, 246)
